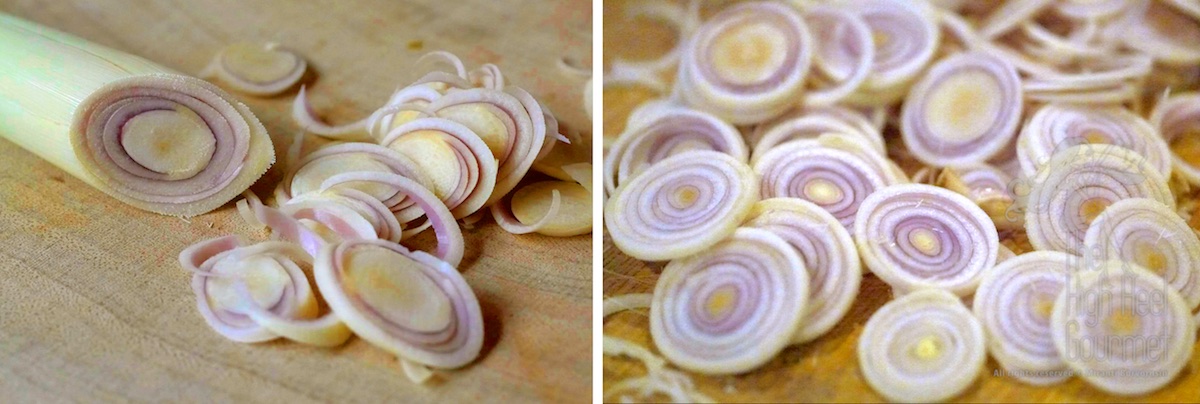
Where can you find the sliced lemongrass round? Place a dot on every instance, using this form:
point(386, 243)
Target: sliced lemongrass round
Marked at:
point(732, 308)
point(314, 168)
point(905, 36)
point(829, 255)
point(269, 273)
point(449, 235)
point(512, 126)
point(308, 233)
point(835, 179)
point(305, 117)
point(457, 164)
point(1104, 330)
point(535, 202)
point(815, 121)
point(804, 127)
point(915, 236)
point(664, 133)
point(324, 331)
point(1014, 302)
point(1177, 119)
point(681, 205)
point(922, 347)
point(747, 63)
point(1157, 29)
point(964, 110)
point(1055, 127)
point(845, 52)
point(406, 302)
point(257, 69)
point(346, 207)
point(1078, 184)
point(1152, 235)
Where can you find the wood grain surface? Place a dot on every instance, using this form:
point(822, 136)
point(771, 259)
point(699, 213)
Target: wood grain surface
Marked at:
point(94, 306)
point(827, 368)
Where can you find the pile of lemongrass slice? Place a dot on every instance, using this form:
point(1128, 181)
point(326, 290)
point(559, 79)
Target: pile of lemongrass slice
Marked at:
point(994, 163)
point(450, 147)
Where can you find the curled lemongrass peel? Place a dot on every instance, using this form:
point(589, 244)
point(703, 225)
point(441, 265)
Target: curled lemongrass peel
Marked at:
point(823, 172)
point(536, 202)
point(681, 205)
point(963, 111)
point(137, 131)
point(408, 303)
point(1078, 184)
point(1103, 333)
point(1152, 235)
point(922, 347)
point(666, 132)
point(731, 308)
point(1055, 127)
point(257, 69)
point(747, 63)
point(449, 235)
point(828, 253)
point(1014, 302)
point(1176, 119)
point(267, 272)
point(917, 236)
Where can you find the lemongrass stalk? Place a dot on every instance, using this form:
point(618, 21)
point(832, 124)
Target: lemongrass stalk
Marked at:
point(140, 132)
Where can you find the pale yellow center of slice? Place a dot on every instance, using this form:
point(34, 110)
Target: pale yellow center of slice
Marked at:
point(748, 53)
point(396, 287)
point(1123, 322)
point(434, 156)
point(720, 302)
point(484, 122)
point(925, 241)
point(963, 106)
point(927, 348)
point(822, 192)
point(1150, 258)
point(1092, 208)
point(176, 143)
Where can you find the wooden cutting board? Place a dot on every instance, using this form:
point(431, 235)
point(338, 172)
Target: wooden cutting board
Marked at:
point(94, 306)
point(822, 370)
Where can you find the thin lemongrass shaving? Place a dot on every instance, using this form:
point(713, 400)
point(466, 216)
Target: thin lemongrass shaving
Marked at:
point(1152, 235)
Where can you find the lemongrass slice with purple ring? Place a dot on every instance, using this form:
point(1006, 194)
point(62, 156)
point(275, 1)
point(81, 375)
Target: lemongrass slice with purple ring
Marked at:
point(1103, 330)
point(905, 36)
point(346, 206)
point(665, 133)
point(512, 126)
point(1055, 127)
point(1014, 302)
point(536, 202)
point(1078, 184)
point(458, 166)
point(732, 308)
point(449, 235)
point(803, 127)
point(963, 111)
point(681, 205)
point(747, 63)
point(834, 179)
point(316, 167)
point(915, 236)
point(257, 69)
point(845, 52)
point(1176, 119)
point(848, 121)
point(269, 272)
point(403, 106)
point(324, 331)
point(829, 255)
point(407, 302)
point(1150, 234)
point(921, 347)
